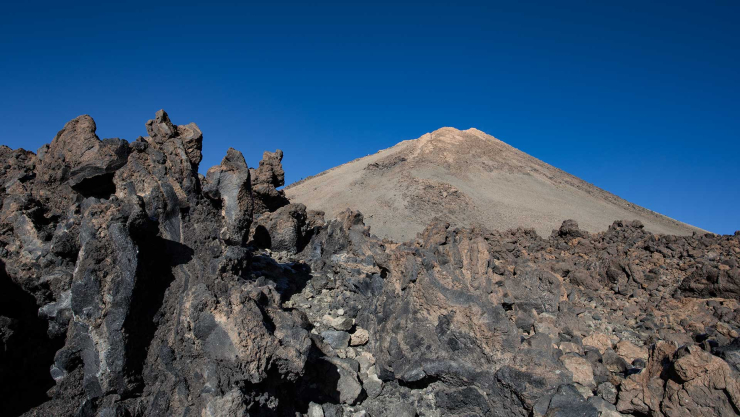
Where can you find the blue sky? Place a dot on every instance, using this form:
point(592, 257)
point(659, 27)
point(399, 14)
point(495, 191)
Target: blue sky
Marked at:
point(639, 98)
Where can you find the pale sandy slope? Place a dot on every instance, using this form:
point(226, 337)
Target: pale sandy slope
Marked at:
point(468, 178)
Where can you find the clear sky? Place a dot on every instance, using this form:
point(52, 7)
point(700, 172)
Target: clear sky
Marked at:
point(640, 98)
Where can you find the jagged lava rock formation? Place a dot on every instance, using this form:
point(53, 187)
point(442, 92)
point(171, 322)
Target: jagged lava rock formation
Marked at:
point(470, 179)
point(130, 285)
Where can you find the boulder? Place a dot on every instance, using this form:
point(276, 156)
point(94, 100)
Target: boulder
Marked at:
point(338, 323)
point(569, 229)
point(315, 410)
point(348, 388)
point(630, 352)
point(74, 145)
point(705, 385)
point(608, 392)
point(581, 370)
point(359, 337)
point(284, 230)
point(336, 339)
point(568, 402)
point(600, 341)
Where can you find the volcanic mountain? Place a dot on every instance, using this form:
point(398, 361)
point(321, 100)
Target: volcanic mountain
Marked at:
point(468, 178)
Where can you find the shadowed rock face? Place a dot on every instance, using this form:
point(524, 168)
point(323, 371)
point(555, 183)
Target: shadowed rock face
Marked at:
point(130, 285)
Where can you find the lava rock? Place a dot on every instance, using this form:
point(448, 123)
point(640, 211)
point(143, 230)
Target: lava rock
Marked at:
point(336, 339)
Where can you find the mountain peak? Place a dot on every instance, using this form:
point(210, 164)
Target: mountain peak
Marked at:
point(455, 135)
point(446, 129)
point(468, 178)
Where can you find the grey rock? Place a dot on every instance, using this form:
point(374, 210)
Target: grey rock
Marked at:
point(315, 410)
point(608, 392)
point(373, 386)
point(229, 183)
point(614, 362)
point(339, 323)
point(348, 388)
point(730, 353)
point(336, 339)
point(604, 408)
point(568, 402)
point(403, 410)
point(333, 410)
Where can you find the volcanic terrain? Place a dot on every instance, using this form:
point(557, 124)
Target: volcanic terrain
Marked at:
point(133, 286)
point(468, 178)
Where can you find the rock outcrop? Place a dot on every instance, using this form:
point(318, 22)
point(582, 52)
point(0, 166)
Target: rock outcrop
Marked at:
point(229, 185)
point(265, 180)
point(130, 285)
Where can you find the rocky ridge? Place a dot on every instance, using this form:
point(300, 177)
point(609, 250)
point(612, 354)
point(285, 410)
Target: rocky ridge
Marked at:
point(133, 286)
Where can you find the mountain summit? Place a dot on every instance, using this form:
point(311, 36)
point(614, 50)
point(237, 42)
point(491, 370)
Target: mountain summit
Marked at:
point(468, 178)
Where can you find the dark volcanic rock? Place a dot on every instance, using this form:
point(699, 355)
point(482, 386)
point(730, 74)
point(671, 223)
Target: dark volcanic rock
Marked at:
point(265, 181)
point(285, 229)
point(130, 285)
point(569, 228)
point(229, 184)
point(75, 145)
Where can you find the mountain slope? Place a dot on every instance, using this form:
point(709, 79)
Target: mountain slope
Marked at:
point(468, 178)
